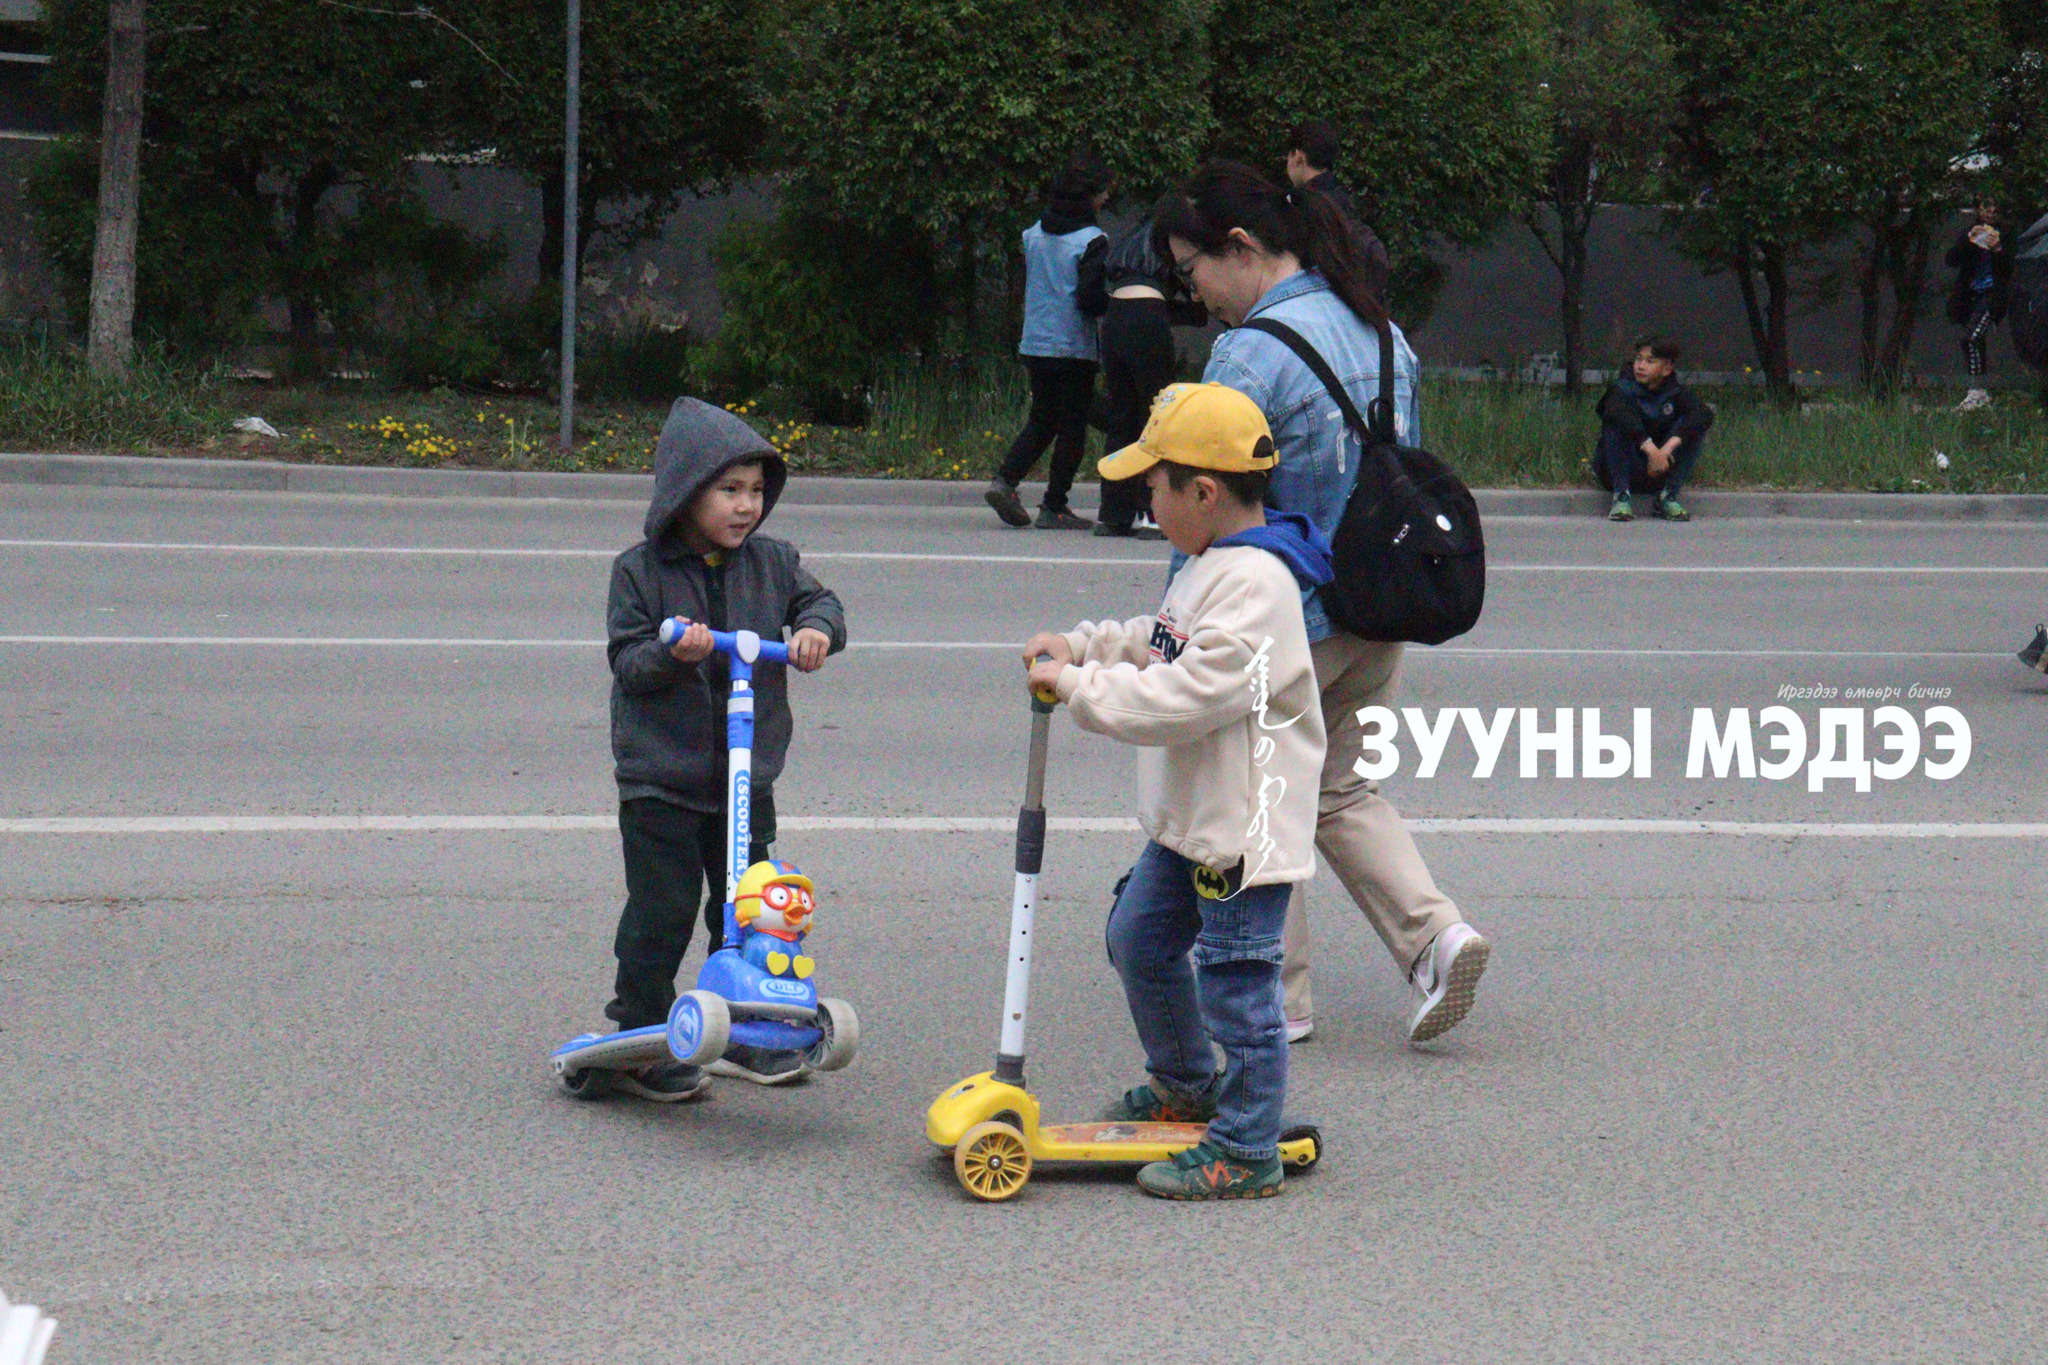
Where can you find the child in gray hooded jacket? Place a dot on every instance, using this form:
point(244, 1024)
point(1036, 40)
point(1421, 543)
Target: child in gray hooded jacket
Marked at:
point(715, 481)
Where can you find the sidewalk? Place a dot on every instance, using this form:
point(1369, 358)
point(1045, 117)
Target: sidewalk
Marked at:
point(266, 476)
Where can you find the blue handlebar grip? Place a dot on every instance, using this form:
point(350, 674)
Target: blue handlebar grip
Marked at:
point(724, 641)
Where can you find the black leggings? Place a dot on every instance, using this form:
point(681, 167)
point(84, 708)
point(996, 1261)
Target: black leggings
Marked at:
point(1974, 332)
point(1137, 362)
point(1061, 391)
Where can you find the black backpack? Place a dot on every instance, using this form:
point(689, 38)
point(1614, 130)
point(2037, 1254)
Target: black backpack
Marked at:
point(1410, 556)
point(2026, 311)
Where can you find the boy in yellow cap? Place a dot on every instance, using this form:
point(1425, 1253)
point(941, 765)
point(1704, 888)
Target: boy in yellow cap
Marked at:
point(1218, 691)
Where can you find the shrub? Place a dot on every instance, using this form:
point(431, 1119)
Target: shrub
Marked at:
point(812, 303)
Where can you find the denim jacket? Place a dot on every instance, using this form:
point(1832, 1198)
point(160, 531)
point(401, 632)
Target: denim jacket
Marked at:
point(1318, 454)
point(1055, 323)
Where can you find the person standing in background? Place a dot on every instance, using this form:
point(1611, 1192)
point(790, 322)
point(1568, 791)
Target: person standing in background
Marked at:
point(1976, 301)
point(1063, 295)
point(1312, 151)
point(1138, 360)
point(1249, 248)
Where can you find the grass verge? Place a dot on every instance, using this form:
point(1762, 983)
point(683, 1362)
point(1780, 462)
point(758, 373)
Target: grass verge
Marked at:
point(954, 420)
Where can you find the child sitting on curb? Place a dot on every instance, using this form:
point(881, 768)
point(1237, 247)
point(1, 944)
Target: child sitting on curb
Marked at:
point(1218, 690)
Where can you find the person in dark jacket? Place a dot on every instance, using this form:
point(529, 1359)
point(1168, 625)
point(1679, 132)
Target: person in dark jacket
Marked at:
point(1063, 295)
point(1146, 302)
point(1977, 299)
point(1311, 165)
point(715, 481)
point(1652, 430)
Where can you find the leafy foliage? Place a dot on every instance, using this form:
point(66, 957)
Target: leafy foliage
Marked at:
point(1611, 89)
point(813, 303)
point(1436, 102)
point(950, 115)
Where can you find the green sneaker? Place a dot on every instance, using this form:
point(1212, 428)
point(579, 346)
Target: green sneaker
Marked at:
point(1623, 509)
point(1148, 1103)
point(1207, 1172)
point(1671, 509)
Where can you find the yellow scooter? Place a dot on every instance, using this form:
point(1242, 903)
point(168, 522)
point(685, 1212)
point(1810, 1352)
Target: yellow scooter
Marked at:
point(989, 1122)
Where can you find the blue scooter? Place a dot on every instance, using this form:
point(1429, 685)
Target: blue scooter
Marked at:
point(757, 988)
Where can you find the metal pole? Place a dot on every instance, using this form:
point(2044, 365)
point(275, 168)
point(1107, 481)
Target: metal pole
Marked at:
point(571, 155)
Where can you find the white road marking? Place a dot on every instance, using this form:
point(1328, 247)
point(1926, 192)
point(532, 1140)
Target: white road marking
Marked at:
point(944, 824)
point(513, 552)
point(479, 642)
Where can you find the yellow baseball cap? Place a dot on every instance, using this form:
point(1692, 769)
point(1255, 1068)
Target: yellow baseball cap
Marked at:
point(1209, 426)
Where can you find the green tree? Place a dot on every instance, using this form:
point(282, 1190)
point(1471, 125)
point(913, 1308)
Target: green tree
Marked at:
point(1437, 103)
point(1754, 157)
point(1909, 95)
point(2015, 142)
point(935, 124)
point(1611, 99)
point(668, 105)
point(263, 117)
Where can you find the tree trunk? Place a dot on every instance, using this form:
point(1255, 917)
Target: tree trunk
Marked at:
point(967, 291)
point(301, 281)
point(1768, 316)
point(1869, 291)
point(1572, 305)
point(547, 266)
point(1778, 307)
point(110, 341)
point(1911, 264)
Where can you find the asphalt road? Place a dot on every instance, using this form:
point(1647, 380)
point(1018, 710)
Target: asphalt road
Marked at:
point(279, 1095)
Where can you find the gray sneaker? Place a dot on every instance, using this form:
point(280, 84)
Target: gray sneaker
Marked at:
point(663, 1082)
point(1622, 510)
point(1446, 976)
point(1003, 497)
point(761, 1065)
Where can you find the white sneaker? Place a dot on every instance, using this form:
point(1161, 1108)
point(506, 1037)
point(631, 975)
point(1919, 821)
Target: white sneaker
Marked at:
point(1298, 1029)
point(1973, 400)
point(1447, 976)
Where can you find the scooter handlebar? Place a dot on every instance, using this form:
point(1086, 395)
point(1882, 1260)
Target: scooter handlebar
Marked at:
point(1044, 700)
point(741, 644)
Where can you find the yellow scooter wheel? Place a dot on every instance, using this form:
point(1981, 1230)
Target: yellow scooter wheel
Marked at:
point(992, 1161)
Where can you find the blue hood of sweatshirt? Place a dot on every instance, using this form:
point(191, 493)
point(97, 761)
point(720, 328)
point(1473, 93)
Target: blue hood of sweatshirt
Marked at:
point(1296, 540)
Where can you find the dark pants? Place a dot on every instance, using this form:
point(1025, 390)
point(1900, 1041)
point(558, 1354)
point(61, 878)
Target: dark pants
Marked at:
point(1137, 362)
point(1976, 327)
point(1061, 391)
point(1622, 463)
point(673, 856)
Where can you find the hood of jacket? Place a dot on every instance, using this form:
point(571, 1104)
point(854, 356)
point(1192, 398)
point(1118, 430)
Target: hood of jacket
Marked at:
point(698, 443)
point(1296, 540)
point(1060, 219)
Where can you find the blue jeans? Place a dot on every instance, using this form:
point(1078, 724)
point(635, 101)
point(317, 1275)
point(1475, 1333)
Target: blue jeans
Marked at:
point(1229, 995)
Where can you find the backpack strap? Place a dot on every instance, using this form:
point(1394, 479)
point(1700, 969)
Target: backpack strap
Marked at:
point(1379, 429)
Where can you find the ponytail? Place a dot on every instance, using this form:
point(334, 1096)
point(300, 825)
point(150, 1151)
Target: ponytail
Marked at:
point(1226, 195)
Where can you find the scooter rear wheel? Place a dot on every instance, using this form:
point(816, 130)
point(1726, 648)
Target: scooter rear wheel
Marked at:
point(992, 1162)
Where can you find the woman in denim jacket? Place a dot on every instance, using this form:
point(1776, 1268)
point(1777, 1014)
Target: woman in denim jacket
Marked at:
point(1249, 248)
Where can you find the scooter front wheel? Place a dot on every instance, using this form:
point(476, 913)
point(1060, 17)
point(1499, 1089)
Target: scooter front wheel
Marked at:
point(699, 1026)
point(992, 1162)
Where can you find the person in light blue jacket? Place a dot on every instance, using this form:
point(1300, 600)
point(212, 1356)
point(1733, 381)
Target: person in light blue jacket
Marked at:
point(1249, 248)
point(1063, 296)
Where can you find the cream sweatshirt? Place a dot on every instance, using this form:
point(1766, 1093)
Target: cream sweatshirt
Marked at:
point(1218, 690)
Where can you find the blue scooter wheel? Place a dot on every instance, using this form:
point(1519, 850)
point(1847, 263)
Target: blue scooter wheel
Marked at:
point(699, 1027)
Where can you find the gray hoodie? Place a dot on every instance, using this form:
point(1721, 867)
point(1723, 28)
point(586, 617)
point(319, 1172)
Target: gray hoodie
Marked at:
point(668, 718)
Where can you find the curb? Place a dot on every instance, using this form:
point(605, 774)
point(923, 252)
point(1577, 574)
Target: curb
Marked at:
point(272, 476)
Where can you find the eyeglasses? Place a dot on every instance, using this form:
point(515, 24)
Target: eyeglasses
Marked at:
point(1183, 271)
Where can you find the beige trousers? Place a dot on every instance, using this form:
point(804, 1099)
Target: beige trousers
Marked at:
point(1361, 836)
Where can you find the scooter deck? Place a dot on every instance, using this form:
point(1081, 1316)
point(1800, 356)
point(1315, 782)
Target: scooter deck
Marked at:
point(612, 1051)
point(1138, 1143)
